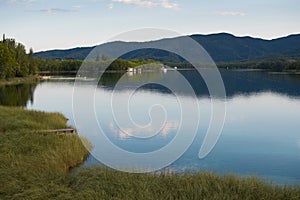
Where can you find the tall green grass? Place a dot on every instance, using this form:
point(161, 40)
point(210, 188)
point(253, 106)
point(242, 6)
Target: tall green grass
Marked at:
point(17, 119)
point(108, 184)
point(35, 165)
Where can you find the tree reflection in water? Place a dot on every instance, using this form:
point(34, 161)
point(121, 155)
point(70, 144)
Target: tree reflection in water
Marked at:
point(17, 95)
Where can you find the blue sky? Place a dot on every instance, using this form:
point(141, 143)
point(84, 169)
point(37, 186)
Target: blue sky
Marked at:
point(61, 24)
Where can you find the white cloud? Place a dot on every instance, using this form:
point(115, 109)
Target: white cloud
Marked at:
point(150, 3)
point(52, 10)
point(77, 6)
point(230, 13)
point(110, 5)
point(141, 3)
point(20, 1)
point(128, 132)
point(166, 4)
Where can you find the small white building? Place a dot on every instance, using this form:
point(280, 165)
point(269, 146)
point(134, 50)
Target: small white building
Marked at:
point(130, 69)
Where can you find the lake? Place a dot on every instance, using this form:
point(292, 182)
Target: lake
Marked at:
point(261, 134)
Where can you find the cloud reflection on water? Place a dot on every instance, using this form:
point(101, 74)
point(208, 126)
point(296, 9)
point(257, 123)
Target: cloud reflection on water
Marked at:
point(128, 132)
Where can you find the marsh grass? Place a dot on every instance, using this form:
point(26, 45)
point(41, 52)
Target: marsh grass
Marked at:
point(20, 80)
point(36, 165)
point(109, 184)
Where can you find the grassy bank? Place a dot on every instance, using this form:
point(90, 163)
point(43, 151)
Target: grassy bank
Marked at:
point(19, 80)
point(36, 166)
point(108, 184)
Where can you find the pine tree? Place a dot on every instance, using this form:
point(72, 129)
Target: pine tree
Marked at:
point(32, 65)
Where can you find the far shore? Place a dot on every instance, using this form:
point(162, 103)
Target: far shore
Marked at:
point(44, 75)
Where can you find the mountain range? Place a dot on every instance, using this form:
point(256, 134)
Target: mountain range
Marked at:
point(222, 47)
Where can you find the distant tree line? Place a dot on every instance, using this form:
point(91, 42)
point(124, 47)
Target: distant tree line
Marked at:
point(14, 62)
point(122, 64)
point(58, 65)
point(278, 65)
point(93, 64)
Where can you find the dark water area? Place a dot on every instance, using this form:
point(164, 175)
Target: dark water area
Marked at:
point(17, 95)
point(235, 81)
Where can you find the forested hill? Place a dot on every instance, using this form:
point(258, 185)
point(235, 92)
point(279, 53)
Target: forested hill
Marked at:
point(222, 47)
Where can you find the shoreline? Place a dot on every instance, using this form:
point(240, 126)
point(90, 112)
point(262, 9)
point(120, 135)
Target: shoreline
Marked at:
point(20, 80)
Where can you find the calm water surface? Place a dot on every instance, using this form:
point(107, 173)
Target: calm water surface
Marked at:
point(261, 135)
